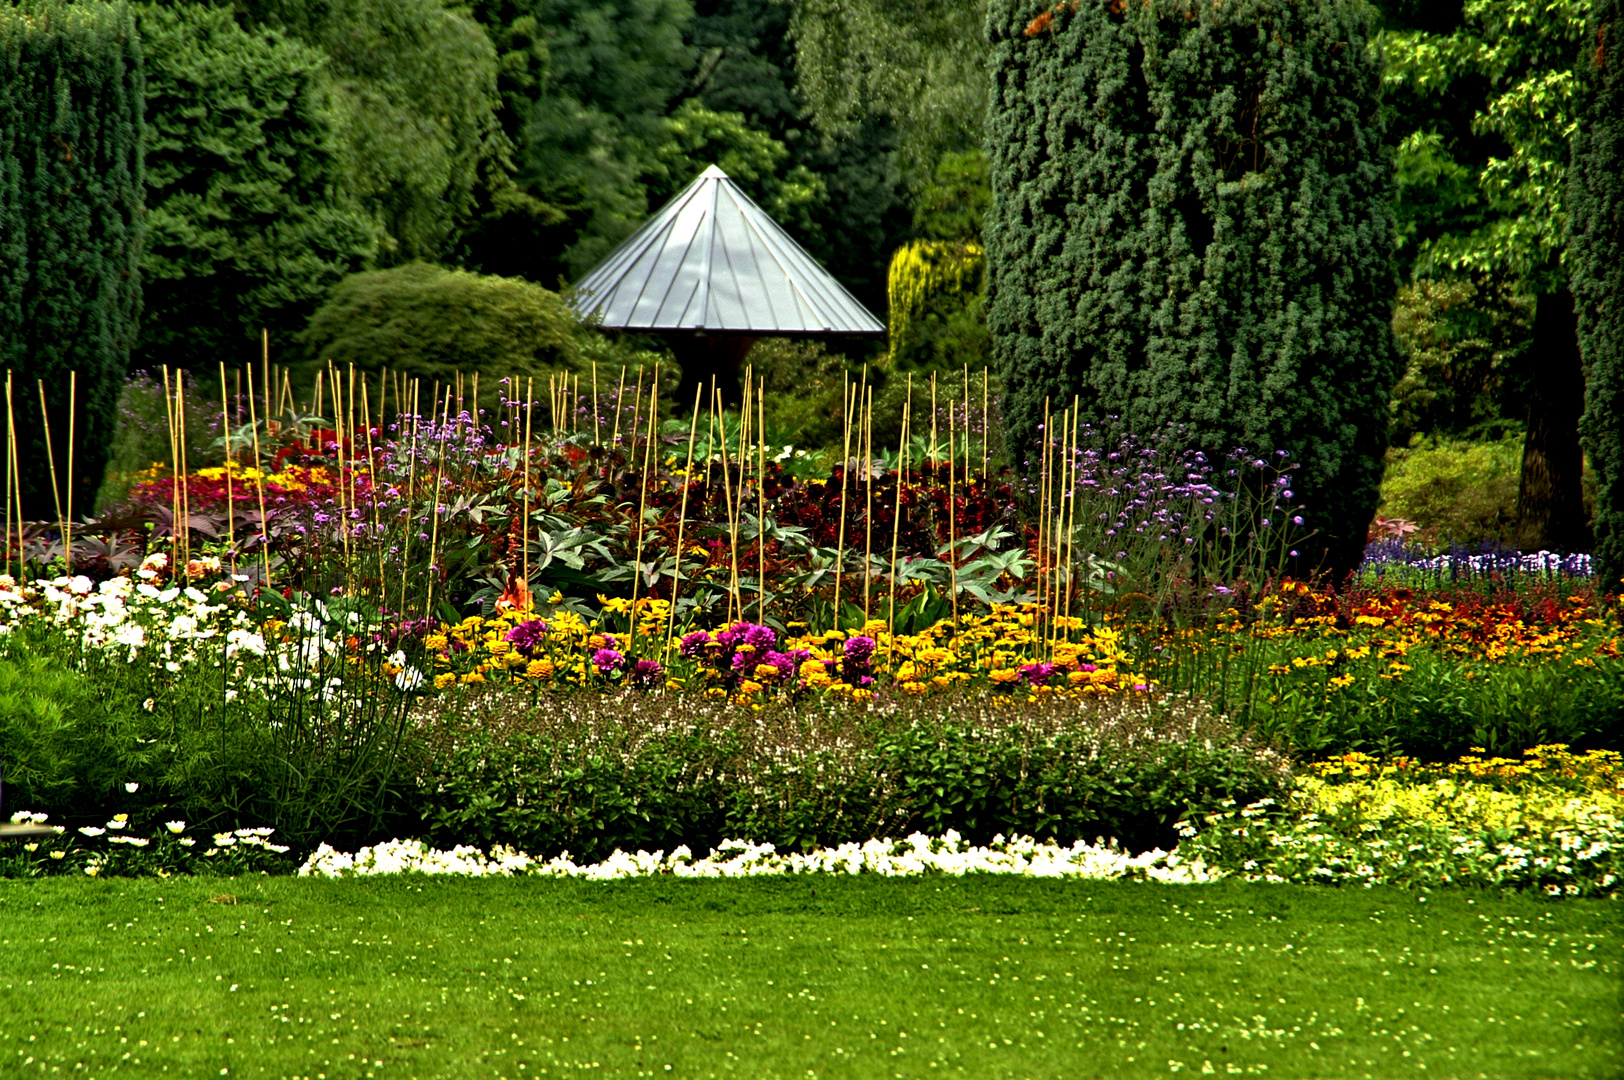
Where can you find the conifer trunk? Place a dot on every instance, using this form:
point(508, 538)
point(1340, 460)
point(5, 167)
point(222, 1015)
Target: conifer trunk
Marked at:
point(1550, 497)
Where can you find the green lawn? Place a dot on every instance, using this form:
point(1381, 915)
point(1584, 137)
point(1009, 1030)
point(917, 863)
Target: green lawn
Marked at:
point(798, 977)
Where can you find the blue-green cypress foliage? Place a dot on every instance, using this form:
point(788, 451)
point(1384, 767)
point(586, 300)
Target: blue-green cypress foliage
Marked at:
point(70, 227)
point(1596, 270)
point(1192, 222)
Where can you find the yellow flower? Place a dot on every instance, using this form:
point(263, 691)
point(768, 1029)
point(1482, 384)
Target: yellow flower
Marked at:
point(499, 647)
point(914, 687)
point(443, 681)
point(1004, 675)
point(473, 677)
point(435, 641)
point(540, 669)
point(766, 671)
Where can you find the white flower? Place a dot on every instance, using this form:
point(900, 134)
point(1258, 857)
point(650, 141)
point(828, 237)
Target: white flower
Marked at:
point(132, 787)
point(91, 830)
point(176, 827)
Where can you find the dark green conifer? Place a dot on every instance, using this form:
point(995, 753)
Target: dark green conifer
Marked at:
point(70, 227)
point(1596, 269)
point(1192, 222)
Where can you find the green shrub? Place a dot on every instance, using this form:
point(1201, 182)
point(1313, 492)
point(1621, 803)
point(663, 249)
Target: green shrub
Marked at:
point(1597, 266)
point(589, 775)
point(430, 323)
point(936, 294)
point(1192, 222)
point(48, 750)
point(71, 223)
point(1455, 490)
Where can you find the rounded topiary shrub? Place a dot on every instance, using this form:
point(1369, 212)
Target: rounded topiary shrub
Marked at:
point(429, 323)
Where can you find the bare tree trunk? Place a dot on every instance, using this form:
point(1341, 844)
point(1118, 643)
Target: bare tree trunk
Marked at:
point(1550, 498)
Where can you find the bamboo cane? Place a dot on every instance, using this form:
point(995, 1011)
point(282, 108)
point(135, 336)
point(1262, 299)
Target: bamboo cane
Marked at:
point(868, 513)
point(966, 425)
point(231, 502)
point(265, 361)
point(761, 503)
point(933, 453)
point(411, 495)
point(952, 522)
point(1043, 517)
point(349, 422)
point(372, 486)
point(682, 521)
point(1071, 527)
point(738, 504)
point(14, 487)
point(896, 528)
point(529, 393)
point(986, 424)
point(637, 408)
point(439, 485)
point(174, 471)
point(50, 463)
point(11, 454)
point(727, 492)
point(73, 419)
point(847, 395)
point(642, 514)
point(597, 435)
point(620, 392)
point(185, 469)
point(259, 491)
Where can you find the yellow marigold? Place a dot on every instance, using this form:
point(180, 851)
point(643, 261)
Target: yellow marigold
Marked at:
point(1004, 675)
point(472, 677)
point(498, 647)
point(539, 669)
point(766, 671)
point(443, 681)
point(914, 687)
point(435, 641)
point(750, 686)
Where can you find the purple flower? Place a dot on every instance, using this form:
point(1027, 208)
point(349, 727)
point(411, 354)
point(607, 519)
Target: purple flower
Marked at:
point(694, 644)
point(760, 637)
point(859, 649)
point(647, 671)
point(607, 661)
point(1037, 674)
point(526, 637)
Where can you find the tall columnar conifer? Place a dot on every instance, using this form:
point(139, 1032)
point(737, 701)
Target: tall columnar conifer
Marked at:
point(1192, 222)
point(1596, 268)
point(70, 227)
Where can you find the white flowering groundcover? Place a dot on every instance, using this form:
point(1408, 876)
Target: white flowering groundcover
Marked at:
point(915, 856)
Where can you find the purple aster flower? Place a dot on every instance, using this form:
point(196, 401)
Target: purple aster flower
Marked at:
point(647, 671)
point(607, 661)
point(526, 637)
point(859, 649)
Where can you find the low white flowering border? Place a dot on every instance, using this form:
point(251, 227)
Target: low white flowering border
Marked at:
point(916, 856)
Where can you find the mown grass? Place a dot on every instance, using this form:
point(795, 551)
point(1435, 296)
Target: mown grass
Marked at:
point(798, 977)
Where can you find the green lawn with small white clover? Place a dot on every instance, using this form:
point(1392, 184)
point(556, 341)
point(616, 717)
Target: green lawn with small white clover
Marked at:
point(799, 977)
